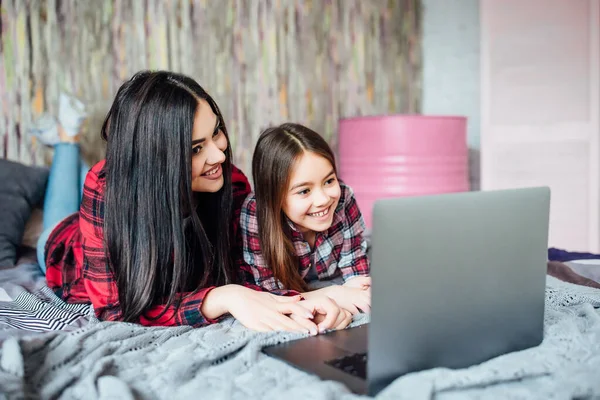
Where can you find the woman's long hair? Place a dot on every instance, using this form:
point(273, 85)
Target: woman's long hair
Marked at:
point(277, 151)
point(161, 238)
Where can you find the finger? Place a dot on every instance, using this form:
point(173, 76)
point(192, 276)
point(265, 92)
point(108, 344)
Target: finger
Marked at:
point(340, 319)
point(363, 306)
point(331, 310)
point(274, 325)
point(344, 321)
point(294, 308)
point(363, 302)
point(367, 300)
point(256, 326)
point(284, 323)
point(309, 325)
point(286, 299)
point(352, 309)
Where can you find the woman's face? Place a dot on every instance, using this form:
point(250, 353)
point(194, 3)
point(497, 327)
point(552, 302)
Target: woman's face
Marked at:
point(208, 150)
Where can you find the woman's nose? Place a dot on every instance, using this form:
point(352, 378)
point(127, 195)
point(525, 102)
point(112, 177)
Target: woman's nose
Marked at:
point(215, 155)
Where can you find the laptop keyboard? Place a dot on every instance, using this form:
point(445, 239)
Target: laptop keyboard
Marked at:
point(355, 364)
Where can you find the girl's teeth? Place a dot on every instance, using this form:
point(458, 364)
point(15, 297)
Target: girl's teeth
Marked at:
point(322, 213)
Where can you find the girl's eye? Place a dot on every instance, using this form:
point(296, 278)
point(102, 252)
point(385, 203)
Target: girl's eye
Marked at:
point(196, 150)
point(303, 192)
point(329, 181)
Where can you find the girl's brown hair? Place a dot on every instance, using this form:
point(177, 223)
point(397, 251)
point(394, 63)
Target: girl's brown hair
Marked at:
point(277, 151)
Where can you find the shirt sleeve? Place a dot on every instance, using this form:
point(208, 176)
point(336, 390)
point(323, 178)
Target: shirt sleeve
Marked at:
point(353, 256)
point(253, 265)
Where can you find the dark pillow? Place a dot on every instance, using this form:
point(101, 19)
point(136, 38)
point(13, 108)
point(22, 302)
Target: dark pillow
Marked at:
point(22, 188)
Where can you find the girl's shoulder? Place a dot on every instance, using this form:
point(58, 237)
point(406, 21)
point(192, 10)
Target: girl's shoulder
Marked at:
point(250, 202)
point(347, 195)
point(347, 210)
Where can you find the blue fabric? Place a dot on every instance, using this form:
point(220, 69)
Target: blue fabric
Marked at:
point(63, 193)
point(555, 254)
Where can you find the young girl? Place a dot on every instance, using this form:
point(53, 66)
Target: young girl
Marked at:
point(154, 240)
point(302, 224)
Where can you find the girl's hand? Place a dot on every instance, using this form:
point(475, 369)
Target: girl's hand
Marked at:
point(327, 313)
point(360, 282)
point(259, 311)
point(349, 298)
point(343, 320)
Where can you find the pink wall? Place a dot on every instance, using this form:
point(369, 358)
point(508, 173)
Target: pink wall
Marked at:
point(540, 109)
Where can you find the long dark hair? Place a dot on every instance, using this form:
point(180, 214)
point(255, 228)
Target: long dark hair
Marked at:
point(277, 151)
point(161, 238)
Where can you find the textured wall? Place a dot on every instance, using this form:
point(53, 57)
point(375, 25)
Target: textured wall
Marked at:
point(264, 61)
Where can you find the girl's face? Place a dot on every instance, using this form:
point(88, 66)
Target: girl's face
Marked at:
point(313, 193)
point(208, 150)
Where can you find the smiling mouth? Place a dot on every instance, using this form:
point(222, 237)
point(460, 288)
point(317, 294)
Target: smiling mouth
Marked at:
point(212, 171)
point(320, 213)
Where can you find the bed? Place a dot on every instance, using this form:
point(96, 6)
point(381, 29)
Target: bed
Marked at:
point(53, 350)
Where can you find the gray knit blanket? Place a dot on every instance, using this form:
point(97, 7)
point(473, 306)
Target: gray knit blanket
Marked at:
point(106, 360)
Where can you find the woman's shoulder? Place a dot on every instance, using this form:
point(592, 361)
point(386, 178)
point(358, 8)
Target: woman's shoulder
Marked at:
point(96, 176)
point(240, 183)
point(98, 168)
point(237, 175)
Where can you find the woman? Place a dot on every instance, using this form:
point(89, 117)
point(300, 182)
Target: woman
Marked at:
point(156, 240)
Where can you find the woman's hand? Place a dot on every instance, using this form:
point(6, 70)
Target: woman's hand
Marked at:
point(349, 298)
point(260, 311)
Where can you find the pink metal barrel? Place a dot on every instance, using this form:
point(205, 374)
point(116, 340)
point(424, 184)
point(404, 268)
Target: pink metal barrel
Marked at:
point(402, 155)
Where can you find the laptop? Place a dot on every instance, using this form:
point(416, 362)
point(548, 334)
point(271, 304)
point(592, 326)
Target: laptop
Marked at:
point(457, 279)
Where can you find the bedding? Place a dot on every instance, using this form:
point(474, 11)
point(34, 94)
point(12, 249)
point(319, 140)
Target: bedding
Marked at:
point(50, 349)
point(89, 359)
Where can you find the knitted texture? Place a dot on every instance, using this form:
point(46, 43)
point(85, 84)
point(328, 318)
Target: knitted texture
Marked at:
point(124, 361)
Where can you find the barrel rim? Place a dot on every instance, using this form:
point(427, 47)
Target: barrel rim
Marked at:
point(406, 116)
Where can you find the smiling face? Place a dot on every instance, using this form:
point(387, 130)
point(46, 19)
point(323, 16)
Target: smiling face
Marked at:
point(208, 150)
point(312, 194)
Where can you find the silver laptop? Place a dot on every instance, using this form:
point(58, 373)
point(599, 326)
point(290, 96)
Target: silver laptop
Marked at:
point(457, 279)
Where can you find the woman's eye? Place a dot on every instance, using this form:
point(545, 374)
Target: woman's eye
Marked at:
point(196, 150)
point(303, 192)
point(329, 181)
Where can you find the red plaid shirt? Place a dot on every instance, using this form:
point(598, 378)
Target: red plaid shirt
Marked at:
point(340, 250)
point(77, 267)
